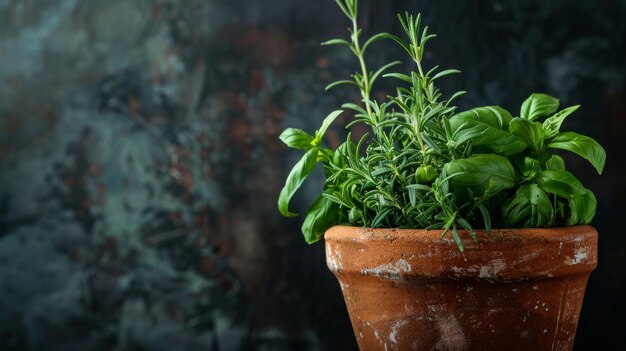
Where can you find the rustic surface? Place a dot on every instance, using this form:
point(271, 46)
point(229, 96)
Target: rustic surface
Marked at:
point(518, 289)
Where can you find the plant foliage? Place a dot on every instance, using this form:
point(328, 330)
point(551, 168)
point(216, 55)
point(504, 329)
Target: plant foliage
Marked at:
point(425, 165)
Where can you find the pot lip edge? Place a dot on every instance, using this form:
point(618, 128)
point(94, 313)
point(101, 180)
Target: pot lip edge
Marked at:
point(391, 245)
point(364, 234)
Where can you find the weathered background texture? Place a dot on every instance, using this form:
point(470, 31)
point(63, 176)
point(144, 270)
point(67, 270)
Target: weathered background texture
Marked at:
point(140, 163)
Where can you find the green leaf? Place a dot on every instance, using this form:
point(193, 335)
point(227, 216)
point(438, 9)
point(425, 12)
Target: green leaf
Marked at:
point(326, 123)
point(296, 177)
point(560, 182)
point(555, 162)
point(583, 146)
point(444, 73)
point(486, 217)
point(380, 171)
point(582, 208)
point(322, 215)
point(337, 42)
point(354, 107)
point(531, 168)
point(380, 216)
point(467, 226)
point(413, 188)
point(340, 82)
point(530, 208)
point(297, 139)
point(381, 70)
point(455, 96)
point(552, 124)
point(419, 187)
point(398, 40)
point(530, 132)
point(489, 127)
point(340, 156)
point(538, 105)
point(373, 39)
point(479, 173)
point(530, 164)
point(400, 76)
point(347, 11)
point(457, 238)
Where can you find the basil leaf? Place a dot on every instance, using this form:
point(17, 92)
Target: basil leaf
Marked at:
point(552, 124)
point(560, 182)
point(530, 207)
point(297, 139)
point(531, 168)
point(480, 173)
point(538, 105)
point(341, 154)
point(530, 132)
point(583, 146)
point(296, 177)
point(487, 126)
point(322, 215)
point(326, 123)
point(555, 162)
point(530, 164)
point(583, 208)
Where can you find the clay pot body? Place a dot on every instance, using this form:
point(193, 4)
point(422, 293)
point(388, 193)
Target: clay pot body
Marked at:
point(516, 289)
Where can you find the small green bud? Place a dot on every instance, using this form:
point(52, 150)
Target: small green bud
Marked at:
point(425, 174)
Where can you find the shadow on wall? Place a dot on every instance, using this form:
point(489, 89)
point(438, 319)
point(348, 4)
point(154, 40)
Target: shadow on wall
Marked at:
point(140, 160)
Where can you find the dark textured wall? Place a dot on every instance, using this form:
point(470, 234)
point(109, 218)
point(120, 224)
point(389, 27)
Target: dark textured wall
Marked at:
point(140, 163)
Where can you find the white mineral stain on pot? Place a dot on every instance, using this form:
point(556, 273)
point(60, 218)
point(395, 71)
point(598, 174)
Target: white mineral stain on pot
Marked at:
point(407, 307)
point(530, 256)
point(580, 255)
point(452, 336)
point(491, 270)
point(393, 336)
point(389, 269)
point(488, 271)
point(333, 260)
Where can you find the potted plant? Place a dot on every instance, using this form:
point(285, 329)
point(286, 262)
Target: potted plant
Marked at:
point(402, 205)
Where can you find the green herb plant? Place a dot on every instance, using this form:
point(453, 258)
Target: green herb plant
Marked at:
point(425, 165)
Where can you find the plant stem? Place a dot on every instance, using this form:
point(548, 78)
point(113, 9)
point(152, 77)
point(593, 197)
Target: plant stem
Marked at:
point(365, 92)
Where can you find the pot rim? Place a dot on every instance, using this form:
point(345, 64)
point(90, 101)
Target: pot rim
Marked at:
point(506, 254)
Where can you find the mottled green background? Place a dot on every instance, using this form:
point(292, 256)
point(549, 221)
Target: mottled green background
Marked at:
point(140, 164)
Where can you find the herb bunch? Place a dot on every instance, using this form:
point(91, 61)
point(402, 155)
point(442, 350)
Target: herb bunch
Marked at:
point(423, 165)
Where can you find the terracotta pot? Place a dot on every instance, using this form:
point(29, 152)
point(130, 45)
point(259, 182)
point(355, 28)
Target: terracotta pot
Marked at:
point(517, 289)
